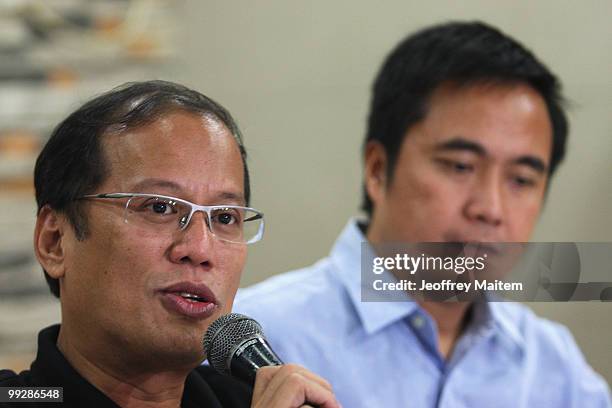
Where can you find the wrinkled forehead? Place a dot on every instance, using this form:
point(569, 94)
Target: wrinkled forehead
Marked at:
point(189, 149)
point(172, 129)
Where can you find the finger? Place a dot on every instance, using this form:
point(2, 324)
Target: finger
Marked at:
point(297, 390)
point(309, 375)
point(262, 381)
point(291, 382)
point(269, 379)
point(317, 379)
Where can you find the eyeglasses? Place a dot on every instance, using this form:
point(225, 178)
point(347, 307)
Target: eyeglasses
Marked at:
point(231, 223)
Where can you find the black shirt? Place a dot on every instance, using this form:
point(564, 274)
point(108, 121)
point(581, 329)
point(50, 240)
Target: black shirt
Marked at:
point(204, 387)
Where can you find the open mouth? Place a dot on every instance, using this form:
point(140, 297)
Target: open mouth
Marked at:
point(489, 248)
point(189, 299)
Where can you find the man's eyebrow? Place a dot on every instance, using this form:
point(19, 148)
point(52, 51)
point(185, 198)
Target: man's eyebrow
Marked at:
point(460, 143)
point(155, 182)
point(534, 162)
point(230, 197)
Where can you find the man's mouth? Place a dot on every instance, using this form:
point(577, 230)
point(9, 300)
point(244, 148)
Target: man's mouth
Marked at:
point(483, 247)
point(473, 244)
point(189, 299)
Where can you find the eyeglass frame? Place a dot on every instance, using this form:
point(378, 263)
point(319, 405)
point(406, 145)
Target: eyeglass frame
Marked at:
point(194, 208)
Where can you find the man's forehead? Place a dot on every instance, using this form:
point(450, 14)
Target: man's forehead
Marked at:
point(178, 152)
point(486, 119)
point(175, 123)
point(225, 193)
point(175, 132)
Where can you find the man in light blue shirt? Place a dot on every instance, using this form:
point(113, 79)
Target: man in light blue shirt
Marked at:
point(465, 130)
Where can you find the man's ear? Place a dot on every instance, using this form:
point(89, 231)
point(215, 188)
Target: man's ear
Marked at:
point(375, 171)
point(48, 241)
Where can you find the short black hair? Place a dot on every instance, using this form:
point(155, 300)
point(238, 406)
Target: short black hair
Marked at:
point(72, 162)
point(457, 52)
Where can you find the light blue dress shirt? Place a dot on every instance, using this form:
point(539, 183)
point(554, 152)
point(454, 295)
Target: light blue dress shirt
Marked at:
point(385, 354)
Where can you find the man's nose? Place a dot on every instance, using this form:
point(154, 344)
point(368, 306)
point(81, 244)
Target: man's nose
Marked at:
point(194, 243)
point(486, 203)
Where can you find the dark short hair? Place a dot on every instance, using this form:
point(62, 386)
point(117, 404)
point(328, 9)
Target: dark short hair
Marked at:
point(72, 162)
point(457, 52)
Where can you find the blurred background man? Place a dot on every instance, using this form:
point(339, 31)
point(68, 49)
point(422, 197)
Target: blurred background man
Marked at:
point(465, 130)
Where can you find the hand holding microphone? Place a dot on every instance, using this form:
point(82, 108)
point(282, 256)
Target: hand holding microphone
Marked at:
point(291, 386)
point(235, 345)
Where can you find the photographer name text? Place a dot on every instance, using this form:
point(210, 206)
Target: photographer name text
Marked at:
point(447, 285)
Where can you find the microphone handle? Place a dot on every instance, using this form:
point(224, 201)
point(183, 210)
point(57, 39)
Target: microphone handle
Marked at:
point(251, 355)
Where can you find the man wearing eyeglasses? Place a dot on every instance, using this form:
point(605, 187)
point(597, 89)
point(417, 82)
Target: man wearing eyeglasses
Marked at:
point(142, 232)
point(465, 129)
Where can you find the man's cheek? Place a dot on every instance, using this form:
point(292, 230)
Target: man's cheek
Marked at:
point(526, 225)
point(524, 218)
point(434, 188)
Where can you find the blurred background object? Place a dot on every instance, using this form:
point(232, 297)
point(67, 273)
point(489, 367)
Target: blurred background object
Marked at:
point(297, 77)
point(53, 56)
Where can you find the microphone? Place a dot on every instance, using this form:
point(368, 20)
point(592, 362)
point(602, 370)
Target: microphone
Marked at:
point(235, 345)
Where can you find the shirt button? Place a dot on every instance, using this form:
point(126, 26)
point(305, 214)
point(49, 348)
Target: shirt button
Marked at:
point(418, 322)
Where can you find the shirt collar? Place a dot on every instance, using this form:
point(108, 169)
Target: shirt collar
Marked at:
point(52, 369)
point(504, 319)
point(347, 256)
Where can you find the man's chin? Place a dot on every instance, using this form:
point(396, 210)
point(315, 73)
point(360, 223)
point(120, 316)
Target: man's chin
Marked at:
point(176, 355)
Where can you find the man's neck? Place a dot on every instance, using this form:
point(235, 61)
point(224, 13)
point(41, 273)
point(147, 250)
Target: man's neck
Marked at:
point(451, 319)
point(128, 386)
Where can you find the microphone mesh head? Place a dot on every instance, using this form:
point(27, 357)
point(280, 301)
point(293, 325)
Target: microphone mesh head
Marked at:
point(222, 336)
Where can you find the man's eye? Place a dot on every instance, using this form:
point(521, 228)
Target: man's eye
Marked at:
point(462, 167)
point(523, 181)
point(226, 218)
point(457, 166)
point(161, 208)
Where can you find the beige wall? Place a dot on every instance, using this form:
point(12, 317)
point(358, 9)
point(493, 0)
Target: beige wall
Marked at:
point(297, 76)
